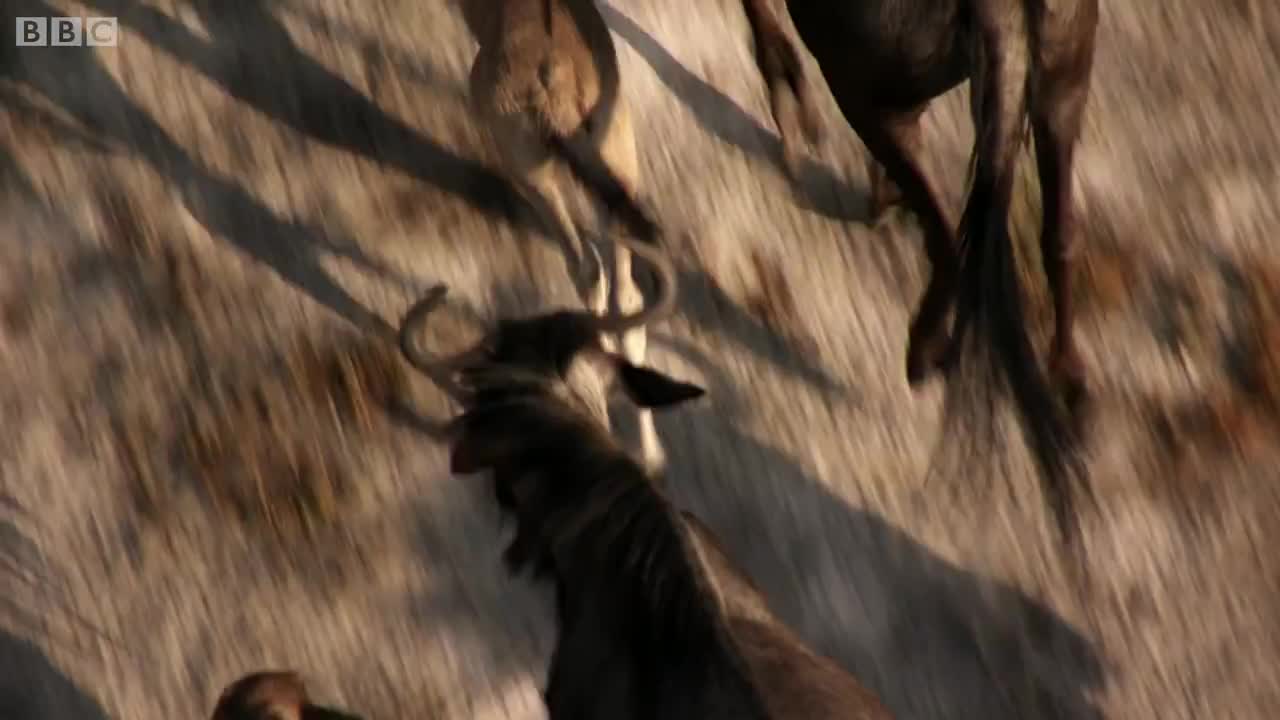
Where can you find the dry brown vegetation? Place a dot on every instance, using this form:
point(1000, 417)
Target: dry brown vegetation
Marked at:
point(270, 447)
point(206, 233)
point(1235, 420)
point(772, 301)
point(1110, 268)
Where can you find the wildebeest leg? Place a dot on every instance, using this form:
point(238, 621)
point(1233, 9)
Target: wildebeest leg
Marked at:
point(1056, 118)
point(884, 192)
point(618, 152)
point(529, 165)
point(617, 148)
point(542, 192)
point(1058, 243)
point(889, 141)
point(791, 95)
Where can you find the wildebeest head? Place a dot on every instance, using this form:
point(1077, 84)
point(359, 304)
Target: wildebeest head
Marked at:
point(554, 358)
point(271, 695)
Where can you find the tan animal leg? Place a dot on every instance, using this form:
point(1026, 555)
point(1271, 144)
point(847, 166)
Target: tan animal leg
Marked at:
point(617, 145)
point(531, 169)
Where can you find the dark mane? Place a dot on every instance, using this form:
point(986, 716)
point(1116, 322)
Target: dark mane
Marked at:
point(587, 507)
point(589, 516)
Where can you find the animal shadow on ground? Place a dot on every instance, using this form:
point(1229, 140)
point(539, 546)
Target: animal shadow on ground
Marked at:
point(483, 612)
point(18, 560)
point(458, 533)
point(321, 104)
point(375, 51)
point(818, 189)
point(31, 688)
point(328, 109)
point(704, 302)
point(932, 639)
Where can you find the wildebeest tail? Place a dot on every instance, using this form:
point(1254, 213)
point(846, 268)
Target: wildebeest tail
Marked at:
point(991, 296)
point(990, 300)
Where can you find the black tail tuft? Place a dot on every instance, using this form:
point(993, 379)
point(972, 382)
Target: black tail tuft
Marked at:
point(991, 301)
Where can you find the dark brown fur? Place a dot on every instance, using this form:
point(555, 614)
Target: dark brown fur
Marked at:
point(547, 86)
point(885, 61)
point(654, 620)
point(271, 695)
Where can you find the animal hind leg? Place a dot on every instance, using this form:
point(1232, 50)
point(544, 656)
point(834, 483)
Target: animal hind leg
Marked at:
point(889, 141)
point(617, 147)
point(618, 153)
point(530, 165)
point(884, 192)
point(542, 192)
point(1056, 126)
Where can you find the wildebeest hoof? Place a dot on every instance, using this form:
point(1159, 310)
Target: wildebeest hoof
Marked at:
point(920, 364)
point(949, 358)
point(879, 205)
point(1068, 376)
point(927, 354)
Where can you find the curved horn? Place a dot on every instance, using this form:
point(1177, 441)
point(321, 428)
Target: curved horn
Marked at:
point(668, 287)
point(431, 365)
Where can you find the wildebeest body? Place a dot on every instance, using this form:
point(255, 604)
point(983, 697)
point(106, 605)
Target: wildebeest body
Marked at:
point(1029, 62)
point(891, 56)
point(655, 621)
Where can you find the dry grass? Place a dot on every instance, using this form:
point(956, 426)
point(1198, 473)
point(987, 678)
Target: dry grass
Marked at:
point(771, 301)
point(1240, 416)
point(268, 437)
point(272, 449)
point(189, 371)
point(1110, 270)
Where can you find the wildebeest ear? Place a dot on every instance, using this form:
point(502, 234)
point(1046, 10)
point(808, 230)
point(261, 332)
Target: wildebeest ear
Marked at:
point(652, 389)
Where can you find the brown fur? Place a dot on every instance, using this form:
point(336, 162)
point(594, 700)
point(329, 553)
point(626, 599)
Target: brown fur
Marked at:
point(885, 61)
point(546, 84)
point(271, 695)
point(655, 620)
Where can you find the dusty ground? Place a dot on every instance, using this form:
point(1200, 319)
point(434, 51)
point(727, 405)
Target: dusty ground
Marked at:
point(207, 230)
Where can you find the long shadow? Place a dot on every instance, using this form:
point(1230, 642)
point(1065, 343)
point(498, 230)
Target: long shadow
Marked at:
point(253, 58)
point(934, 640)
point(703, 301)
point(819, 189)
point(707, 304)
point(31, 688)
point(375, 51)
point(61, 131)
point(479, 620)
point(24, 573)
point(81, 86)
point(930, 638)
point(20, 561)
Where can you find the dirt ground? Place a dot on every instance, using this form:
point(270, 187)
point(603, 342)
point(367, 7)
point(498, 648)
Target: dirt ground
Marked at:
point(213, 459)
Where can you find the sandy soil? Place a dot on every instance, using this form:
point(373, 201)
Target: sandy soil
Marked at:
point(207, 231)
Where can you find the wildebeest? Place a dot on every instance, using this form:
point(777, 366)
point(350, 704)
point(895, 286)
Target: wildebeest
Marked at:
point(654, 620)
point(271, 695)
point(546, 85)
point(885, 61)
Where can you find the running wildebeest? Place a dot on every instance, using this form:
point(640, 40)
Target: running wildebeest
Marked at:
point(271, 695)
point(885, 61)
point(654, 620)
point(546, 85)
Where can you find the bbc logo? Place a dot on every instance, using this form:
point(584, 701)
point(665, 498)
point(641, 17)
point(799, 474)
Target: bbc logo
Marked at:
point(68, 31)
